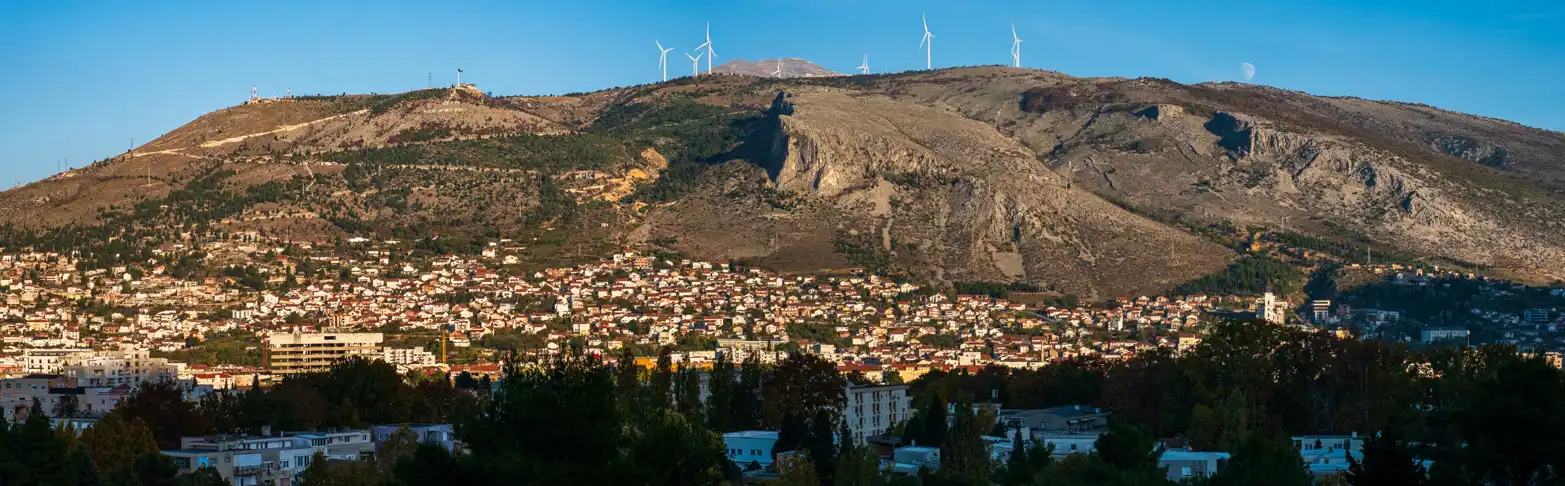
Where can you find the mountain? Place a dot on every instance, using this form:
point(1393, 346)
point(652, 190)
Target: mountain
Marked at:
point(1091, 186)
point(792, 67)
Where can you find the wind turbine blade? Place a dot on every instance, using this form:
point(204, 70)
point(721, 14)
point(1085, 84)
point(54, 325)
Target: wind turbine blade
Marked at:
point(926, 22)
point(660, 44)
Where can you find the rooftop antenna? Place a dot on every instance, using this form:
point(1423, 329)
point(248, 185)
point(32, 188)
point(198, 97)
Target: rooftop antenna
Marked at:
point(1016, 47)
point(663, 58)
point(779, 71)
point(708, 45)
point(864, 68)
point(927, 44)
point(695, 64)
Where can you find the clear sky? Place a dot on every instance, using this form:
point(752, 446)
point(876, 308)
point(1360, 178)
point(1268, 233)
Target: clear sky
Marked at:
point(82, 80)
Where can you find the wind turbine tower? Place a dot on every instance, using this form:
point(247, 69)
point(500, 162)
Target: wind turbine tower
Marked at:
point(779, 71)
point(695, 64)
point(708, 45)
point(663, 58)
point(1016, 47)
point(928, 44)
point(864, 68)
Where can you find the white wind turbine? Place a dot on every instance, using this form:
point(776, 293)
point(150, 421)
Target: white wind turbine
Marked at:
point(779, 71)
point(928, 44)
point(663, 58)
point(1016, 47)
point(695, 64)
point(708, 45)
point(864, 68)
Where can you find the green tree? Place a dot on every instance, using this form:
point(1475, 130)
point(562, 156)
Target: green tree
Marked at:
point(964, 453)
point(822, 446)
point(793, 435)
point(1514, 425)
point(803, 382)
point(397, 447)
point(206, 476)
point(662, 382)
point(1387, 462)
point(1263, 461)
point(162, 407)
point(665, 447)
point(797, 470)
point(1028, 459)
point(115, 442)
point(722, 386)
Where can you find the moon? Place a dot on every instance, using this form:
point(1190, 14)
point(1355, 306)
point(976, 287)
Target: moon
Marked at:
point(1248, 70)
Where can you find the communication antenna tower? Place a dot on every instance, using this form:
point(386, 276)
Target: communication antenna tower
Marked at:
point(253, 95)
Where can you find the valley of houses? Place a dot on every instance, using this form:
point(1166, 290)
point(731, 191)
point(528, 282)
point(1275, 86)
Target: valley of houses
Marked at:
point(95, 333)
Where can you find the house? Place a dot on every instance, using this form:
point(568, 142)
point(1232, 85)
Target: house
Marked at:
point(340, 444)
point(1067, 444)
point(1184, 464)
point(750, 449)
point(908, 460)
point(245, 460)
point(442, 435)
point(1063, 419)
point(1327, 455)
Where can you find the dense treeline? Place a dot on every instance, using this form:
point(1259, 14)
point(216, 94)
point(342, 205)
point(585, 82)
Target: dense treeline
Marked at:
point(1484, 416)
point(1248, 276)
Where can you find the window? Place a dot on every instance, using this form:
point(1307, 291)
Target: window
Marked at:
point(1184, 471)
point(1073, 447)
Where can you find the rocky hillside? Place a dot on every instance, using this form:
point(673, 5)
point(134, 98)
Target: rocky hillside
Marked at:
point(792, 67)
point(1093, 186)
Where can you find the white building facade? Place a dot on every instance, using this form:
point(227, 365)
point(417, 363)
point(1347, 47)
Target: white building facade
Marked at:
point(871, 410)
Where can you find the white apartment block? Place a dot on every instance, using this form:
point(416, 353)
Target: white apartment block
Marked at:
point(871, 410)
point(314, 352)
point(90, 368)
point(402, 357)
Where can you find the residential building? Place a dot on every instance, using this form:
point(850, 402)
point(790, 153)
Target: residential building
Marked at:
point(18, 394)
point(1320, 311)
point(1327, 455)
point(908, 460)
point(1270, 309)
point(1068, 444)
point(872, 409)
point(1535, 317)
point(404, 358)
point(1067, 419)
point(442, 435)
point(1433, 334)
point(46, 361)
point(128, 366)
point(244, 460)
point(340, 444)
point(750, 448)
point(1183, 465)
point(313, 352)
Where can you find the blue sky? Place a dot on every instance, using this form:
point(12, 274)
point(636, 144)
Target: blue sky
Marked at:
point(84, 79)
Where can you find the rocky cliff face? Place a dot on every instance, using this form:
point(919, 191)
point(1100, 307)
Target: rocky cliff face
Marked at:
point(955, 197)
point(1411, 177)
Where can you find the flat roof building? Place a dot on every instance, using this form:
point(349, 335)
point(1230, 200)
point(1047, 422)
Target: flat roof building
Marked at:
point(315, 352)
